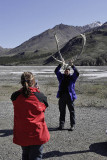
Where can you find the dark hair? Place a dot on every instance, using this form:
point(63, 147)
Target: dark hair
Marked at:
point(68, 68)
point(27, 80)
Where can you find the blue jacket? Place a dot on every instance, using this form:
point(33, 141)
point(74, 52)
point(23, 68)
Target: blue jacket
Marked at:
point(71, 86)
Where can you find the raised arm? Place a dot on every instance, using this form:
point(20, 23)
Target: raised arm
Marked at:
point(76, 72)
point(57, 72)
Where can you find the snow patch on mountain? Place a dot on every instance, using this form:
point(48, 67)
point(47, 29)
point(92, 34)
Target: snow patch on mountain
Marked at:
point(95, 24)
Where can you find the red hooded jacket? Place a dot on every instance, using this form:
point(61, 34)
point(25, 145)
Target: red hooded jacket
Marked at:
point(29, 121)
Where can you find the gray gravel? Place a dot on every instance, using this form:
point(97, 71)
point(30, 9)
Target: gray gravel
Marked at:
point(87, 141)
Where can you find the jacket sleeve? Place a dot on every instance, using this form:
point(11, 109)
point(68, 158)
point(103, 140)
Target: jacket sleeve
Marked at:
point(75, 74)
point(41, 97)
point(15, 95)
point(58, 73)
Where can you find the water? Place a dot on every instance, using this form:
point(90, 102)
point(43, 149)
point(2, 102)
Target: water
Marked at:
point(12, 73)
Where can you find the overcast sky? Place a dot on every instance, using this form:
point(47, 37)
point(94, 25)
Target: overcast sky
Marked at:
point(22, 19)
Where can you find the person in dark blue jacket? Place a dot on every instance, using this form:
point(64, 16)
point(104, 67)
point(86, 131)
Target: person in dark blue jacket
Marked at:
point(66, 94)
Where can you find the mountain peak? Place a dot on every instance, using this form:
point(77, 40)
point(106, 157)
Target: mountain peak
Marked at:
point(61, 26)
point(95, 24)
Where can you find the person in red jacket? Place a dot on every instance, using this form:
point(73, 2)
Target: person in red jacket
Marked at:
point(30, 130)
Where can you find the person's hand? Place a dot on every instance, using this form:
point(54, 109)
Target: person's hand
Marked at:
point(71, 63)
point(36, 85)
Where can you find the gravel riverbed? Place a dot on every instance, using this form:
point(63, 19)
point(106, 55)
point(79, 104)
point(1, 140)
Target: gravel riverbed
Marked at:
point(87, 141)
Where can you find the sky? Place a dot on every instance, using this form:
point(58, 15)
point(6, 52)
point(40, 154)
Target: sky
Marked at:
point(20, 20)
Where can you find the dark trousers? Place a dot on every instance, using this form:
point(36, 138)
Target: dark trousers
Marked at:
point(33, 152)
point(63, 101)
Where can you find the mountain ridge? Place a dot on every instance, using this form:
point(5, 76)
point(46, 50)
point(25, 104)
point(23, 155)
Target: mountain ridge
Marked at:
point(38, 49)
point(39, 42)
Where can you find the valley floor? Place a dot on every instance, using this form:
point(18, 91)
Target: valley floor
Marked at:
point(87, 141)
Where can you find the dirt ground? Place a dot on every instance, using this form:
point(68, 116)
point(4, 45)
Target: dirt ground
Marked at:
point(87, 141)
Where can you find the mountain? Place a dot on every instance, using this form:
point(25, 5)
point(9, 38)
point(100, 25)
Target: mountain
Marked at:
point(3, 50)
point(93, 25)
point(45, 42)
point(38, 49)
point(95, 50)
